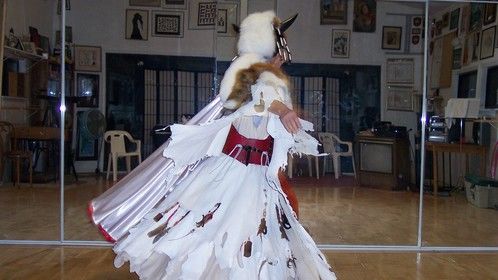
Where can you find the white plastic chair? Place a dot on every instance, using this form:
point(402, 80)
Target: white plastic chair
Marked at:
point(290, 166)
point(332, 146)
point(118, 149)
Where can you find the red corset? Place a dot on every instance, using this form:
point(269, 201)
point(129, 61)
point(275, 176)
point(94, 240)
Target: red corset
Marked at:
point(248, 150)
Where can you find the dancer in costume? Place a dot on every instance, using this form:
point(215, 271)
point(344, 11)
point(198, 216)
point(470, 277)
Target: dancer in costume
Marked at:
point(213, 206)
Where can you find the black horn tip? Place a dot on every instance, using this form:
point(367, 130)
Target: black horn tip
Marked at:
point(287, 23)
point(236, 28)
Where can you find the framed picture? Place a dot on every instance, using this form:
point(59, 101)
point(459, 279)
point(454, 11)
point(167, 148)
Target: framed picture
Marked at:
point(87, 58)
point(167, 23)
point(457, 58)
point(137, 23)
point(439, 27)
point(400, 71)
point(340, 43)
point(454, 18)
point(465, 20)
point(174, 4)
point(489, 13)
point(29, 47)
point(59, 6)
point(446, 19)
point(475, 16)
point(146, 3)
point(86, 145)
point(488, 42)
point(87, 89)
point(202, 14)
point(69, 35)
point(399, 98)
point(227, 15)
point(391, 37)
point(334, 12)
point(364, 15)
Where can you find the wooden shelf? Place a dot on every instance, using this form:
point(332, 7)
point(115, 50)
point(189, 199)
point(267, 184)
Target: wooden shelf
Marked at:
point(14, 53)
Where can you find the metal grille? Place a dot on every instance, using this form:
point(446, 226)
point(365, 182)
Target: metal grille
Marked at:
point(171, 94)
point(317, 100)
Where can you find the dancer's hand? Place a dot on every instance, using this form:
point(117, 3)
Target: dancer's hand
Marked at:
point(288, 117)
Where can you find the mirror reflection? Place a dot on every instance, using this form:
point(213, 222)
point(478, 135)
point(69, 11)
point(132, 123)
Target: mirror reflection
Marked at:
point(461, 195)
point(29, 122)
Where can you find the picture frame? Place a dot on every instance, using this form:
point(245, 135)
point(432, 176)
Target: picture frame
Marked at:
point(454, 19)
point(399, 98)
point(69, 35)
point(145, 3)
point(87, 58)
point(137, 24)
point(456, 58)
point(439, 27)
point(227, 15)
point(476, 11)
point(86, 146)
point(364, 15)
point(391, 37)
point(59, 6)
point(340, 43)
point(174, 4)
point(488, 42)
point(489, 13)
point(446, 20)
point(202, 14)
point(334, 12)
point(87, 89)
point(400, 71)
point(167, 23)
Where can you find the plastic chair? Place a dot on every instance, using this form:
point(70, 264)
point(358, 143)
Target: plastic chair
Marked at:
point(332, 146)
point(12, 152)
point(116, 138)
point(290, 166)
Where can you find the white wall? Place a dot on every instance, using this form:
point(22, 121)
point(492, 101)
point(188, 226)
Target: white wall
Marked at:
point(24, 13)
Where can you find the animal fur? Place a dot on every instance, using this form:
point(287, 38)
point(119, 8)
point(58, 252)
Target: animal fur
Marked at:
point(257, 34)
point(245, 78)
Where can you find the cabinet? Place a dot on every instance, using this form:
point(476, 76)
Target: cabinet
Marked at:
point(384, 162)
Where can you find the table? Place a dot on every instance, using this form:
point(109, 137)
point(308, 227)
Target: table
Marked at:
point(42, 133)
point(467, 149)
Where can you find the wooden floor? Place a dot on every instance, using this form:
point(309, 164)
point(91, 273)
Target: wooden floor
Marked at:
point(335, 211)
point(18, 262)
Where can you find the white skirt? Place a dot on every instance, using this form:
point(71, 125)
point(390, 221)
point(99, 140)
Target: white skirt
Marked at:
point(223, 221)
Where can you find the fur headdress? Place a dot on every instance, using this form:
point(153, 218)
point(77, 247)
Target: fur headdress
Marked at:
point(257, 34)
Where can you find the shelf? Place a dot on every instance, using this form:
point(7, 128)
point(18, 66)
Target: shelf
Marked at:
point(14, 53)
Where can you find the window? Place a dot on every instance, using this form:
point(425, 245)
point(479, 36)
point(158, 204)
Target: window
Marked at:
point(467, 85)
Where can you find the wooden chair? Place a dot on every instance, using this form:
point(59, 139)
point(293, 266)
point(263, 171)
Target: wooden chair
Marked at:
point(332, 146)
point(116, 138)
point(8, 149)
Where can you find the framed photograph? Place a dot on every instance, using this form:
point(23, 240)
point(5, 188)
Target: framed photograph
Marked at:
point(439, 27)
point(340, 43)
point(489, 13)
point(59, 6)
point(227, 15)
point(364, 15)
point(391, 37)
point(457, 58)
point(202, 14)
point(446, 20)
point(488, 42)
point(475, 16)
point(454, 18)
point(69, 35)
point(86, 145)
point(174, 4)
point(29, 47)
point(334, 12)
point(400, 71)
point(399, 98)
point(167, 23)
point(87, 88)
point(137, 24)
point(465, 20)
point(87, 58)
point(146, 3)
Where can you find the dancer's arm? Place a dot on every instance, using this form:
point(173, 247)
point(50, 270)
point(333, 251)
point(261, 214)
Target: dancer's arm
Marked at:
point(288, 117)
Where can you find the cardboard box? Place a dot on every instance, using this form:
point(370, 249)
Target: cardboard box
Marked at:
point(482, 192)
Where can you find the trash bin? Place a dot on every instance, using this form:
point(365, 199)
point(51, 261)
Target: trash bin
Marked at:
point(159, 137)
point(481, 191)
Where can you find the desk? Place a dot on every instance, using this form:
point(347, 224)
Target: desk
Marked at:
point(42, 133)
point(467, 149)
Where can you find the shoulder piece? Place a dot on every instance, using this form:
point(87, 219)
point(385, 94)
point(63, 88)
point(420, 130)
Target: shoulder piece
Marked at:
point(257, 73)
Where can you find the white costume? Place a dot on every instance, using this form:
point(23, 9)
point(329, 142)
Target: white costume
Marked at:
point(228, 218)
